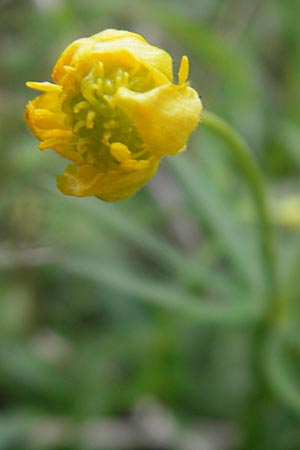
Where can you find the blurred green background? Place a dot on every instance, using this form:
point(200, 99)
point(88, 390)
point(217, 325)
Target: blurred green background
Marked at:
point(146, 323)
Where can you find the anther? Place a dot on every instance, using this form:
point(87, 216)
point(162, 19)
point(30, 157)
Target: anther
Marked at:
point(120, 152)
point(108, 87)
point(90, 119)
point(82, 146)
point(106, 137)
point(118, 81)
point(80, 124)
point(183, 70)
point(79, 106)
point(90, 159)
point(99, 86)
point(100, 69)
point(125, 78)
point(138, 154)
point(109, 124)
point(69, 69)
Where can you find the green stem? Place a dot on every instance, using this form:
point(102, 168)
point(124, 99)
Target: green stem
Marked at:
point(243, 155)
point(259, 404)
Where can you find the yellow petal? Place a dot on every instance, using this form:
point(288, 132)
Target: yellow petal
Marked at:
point(66, 57)
point(149, 55)
point(110, 35)
point(44, 86)
point(46, 121)
point(120, 46)
point(164, 116)
point(44, 113)
point(81, 47)
point(109, 186)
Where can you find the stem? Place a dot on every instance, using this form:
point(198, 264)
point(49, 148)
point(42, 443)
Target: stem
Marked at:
point(243, 155)
point(261, 399)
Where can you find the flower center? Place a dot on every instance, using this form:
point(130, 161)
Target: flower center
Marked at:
point(95, 119)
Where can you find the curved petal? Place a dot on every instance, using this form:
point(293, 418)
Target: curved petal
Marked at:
point(43, 86)
point(109, 186)
point(81, 54)
point(137, 45)
point(111, 34)
point(67, 56)
point(44, 113)
point(46, 121)
point(147, 54)
point(164, 116)
point(77, 49)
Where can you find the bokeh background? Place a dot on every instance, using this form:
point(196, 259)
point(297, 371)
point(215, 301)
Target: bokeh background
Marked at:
point(145, 323)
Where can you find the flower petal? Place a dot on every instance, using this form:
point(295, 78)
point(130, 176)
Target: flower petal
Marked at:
point(44, 113)
point(150, 55)
point(44, 86)
point(111, 34)
point(164, 116)
point(109, 186)
point(112, 44)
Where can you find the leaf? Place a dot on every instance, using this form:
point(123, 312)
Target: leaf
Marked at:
point(167, 295)
point(281, 379)
point(210, 210)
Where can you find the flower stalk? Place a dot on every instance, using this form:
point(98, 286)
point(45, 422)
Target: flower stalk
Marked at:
point(241, 152)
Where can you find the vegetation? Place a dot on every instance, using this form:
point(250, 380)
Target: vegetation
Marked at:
point(169, 320)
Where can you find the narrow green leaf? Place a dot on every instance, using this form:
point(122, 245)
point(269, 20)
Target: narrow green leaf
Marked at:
point(172, 297)
point(210, 210)
point(186, 269)
point(283, 382)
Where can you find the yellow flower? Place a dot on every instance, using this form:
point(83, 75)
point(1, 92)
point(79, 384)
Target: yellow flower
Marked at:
point(114, 112)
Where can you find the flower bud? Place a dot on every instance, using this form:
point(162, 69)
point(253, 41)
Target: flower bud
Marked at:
point(114, 112)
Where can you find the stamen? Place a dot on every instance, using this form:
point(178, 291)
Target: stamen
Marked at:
point(121, 79)
point(120, 152)
point(125, 78)
point(106, 137)
point(58, 134)
point(90, 159)
point(88, 88)
point(118, 81)
point(183, 70)
point(80, 124)
point(108, 87)
point(100, 69)
point(82, 146)
point(136, 165)
point(81, 105)
point(98, 99)
point(109, 100)
point(110, 124)
point(50, 143)
point(138, 154)
point(99, 86)
point(69, 69)
point(90, 119)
